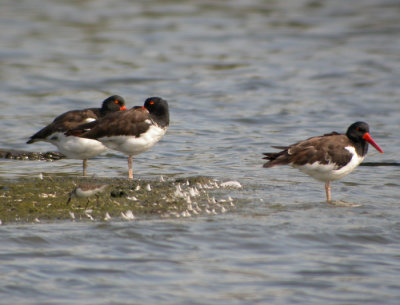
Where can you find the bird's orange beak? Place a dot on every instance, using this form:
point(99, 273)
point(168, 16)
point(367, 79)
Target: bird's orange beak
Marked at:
point(122, 108)
point(369, 139)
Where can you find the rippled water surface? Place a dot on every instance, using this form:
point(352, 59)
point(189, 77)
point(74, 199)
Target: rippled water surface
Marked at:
point(240, 76)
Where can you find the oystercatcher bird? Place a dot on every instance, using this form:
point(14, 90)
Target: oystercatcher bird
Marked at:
point(74, 147)
point(132, 131)
point(326, 158)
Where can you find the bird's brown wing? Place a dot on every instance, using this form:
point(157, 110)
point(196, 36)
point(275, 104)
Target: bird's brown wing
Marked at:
point(324, 149)
point(132, 122)
point(64, 122)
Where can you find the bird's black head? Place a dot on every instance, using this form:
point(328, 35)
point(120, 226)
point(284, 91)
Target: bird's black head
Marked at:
point(358, 132)
point(112, 104)
point(158, 108)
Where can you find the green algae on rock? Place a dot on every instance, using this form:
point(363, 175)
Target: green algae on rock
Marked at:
point(45, 199)
point(29, 155)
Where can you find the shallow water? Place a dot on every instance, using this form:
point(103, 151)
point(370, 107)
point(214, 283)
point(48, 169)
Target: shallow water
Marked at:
point(240, 76)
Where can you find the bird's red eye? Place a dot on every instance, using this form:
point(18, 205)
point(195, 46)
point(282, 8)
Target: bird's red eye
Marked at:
point(116, 102)
point(357, 128)
point(151, 102)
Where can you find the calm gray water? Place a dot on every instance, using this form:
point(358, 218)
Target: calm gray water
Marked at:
point(240, 76)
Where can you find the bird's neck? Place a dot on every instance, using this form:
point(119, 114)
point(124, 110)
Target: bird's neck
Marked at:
point(161, 119)
point(361, 147)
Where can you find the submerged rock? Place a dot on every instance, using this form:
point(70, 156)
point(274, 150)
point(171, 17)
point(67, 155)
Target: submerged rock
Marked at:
point(29, 155)
point(28, 199)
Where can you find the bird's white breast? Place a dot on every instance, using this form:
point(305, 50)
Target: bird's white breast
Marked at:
point(132, 145)
point(330, 171)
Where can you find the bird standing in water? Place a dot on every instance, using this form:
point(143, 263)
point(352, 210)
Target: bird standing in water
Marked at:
point(326, 158)
point(132, 131)
point(74, 147)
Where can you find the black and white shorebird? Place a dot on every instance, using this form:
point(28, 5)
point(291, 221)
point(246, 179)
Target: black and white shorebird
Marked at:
point(132, 131)
point(87, 190)
point(326, 158)
point(75, 147)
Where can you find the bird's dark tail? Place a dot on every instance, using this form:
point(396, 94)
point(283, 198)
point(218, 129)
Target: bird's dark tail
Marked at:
point(273, 158)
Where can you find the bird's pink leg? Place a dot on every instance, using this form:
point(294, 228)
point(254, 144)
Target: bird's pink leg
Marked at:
point(84, 166)
point(328, 191)
point(130, 169)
